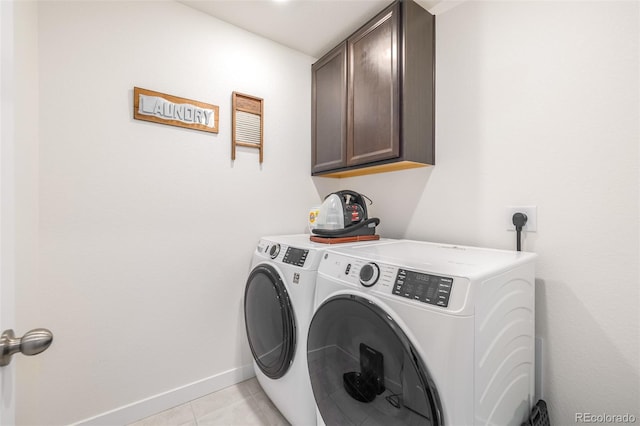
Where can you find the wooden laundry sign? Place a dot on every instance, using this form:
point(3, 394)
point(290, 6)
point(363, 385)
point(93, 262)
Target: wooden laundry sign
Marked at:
point(174, 111)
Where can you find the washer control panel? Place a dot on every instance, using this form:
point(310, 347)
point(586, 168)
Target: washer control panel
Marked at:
point(427, 288)
point(395, 280)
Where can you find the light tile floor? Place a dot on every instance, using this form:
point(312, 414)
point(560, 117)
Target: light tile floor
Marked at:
point(244, 404)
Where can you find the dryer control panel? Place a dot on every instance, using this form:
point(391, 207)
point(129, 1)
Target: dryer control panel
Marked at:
point(282, 253)
point(295, 256)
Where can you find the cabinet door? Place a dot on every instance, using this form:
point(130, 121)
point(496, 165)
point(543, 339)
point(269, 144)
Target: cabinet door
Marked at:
point(329, 111)
point(373, 100)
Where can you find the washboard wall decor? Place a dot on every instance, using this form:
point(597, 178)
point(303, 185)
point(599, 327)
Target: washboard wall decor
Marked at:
point(248, 123)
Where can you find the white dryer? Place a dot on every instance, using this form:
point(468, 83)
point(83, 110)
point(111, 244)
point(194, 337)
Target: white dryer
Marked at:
point(421, 333)
point(278, 305)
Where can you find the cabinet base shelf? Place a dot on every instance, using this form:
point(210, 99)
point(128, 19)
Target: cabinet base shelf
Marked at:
point(380, 168)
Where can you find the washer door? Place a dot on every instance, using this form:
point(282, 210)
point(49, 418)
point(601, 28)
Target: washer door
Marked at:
point(365, 370)
point(270, 321)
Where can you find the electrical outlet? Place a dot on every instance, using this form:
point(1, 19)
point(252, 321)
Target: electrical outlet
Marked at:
point(532, 217)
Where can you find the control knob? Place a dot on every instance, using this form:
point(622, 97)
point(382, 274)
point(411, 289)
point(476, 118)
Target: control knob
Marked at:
point(369, 274)
point(275, 249)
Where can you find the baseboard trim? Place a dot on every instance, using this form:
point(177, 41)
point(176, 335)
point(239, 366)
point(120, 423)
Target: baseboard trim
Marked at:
point(172, 398)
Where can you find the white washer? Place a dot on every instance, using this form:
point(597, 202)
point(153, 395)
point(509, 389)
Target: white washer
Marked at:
point(278, 305)
point(421, 333)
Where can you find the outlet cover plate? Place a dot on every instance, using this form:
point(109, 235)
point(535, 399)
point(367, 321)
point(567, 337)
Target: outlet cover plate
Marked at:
point(532, 217)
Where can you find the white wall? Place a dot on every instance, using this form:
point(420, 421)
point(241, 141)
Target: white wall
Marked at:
point(538, 104)
point(145, 231)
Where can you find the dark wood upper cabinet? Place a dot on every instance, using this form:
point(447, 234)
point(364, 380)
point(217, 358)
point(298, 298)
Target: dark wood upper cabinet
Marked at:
point(373, 97)
point(329, 111)
point(373, 107)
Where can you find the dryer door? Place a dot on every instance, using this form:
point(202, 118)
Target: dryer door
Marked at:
point(270, 321)
point(365, 370)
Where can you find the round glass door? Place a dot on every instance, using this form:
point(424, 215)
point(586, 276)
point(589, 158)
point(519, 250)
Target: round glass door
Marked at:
point(364, 369)
point(269, 320)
